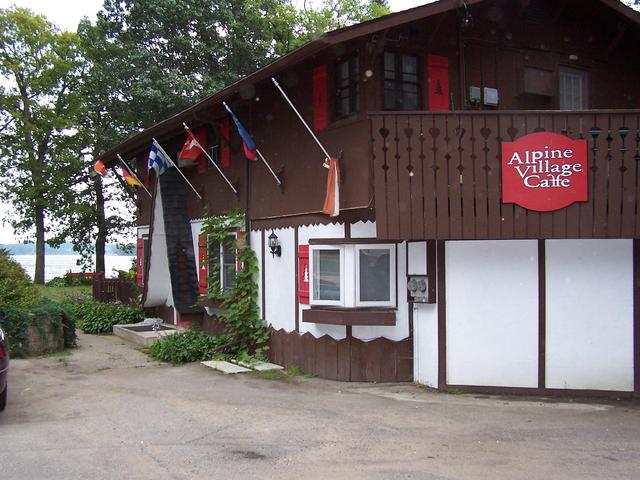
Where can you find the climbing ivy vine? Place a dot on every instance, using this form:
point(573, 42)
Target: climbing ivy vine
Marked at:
point(247, 334)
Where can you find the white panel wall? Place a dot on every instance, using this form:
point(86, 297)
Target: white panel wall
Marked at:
point(492, 313)
point(334, 230)
point(255, 243)
point(589, 315)
point(363, 230)
point(196, 226)
point(279, 286)
point(400, 330)
point(425, 344)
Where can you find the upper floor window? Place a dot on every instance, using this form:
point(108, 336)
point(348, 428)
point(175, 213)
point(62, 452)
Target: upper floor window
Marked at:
point(572, 89)
point(401, 82)
point(347, 87)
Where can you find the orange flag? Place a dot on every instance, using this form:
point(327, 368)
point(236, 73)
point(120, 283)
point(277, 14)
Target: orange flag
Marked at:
point(332, 200)
point(100, 168)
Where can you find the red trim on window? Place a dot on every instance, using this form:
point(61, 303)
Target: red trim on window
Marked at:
point(320, 104)
point(203, 264)
point(139, 261)
point(225, 143)
point(438, 83)
point(303, 274)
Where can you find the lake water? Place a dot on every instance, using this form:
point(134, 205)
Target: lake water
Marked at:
point(58, 265)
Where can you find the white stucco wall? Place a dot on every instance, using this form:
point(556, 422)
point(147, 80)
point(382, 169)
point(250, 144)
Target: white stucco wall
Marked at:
point(492, 313)
point(280, 303)
point(255, 243)
point(363, 230)
point(589, 314)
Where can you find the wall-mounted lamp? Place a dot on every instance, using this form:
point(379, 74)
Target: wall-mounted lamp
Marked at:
point(274, 245)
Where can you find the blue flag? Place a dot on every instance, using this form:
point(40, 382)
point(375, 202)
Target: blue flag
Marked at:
point(247, 142)
point(158, 161)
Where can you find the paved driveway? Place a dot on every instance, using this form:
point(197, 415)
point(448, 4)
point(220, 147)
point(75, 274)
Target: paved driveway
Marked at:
point(107, 412)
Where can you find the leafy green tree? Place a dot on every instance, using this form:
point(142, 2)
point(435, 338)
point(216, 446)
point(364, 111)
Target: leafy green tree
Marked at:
point(41, 69)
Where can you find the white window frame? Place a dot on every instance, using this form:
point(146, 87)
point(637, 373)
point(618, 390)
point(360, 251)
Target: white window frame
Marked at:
point(233, 235)
point(582, 77)
point(392, 274)
point(317, 301)
point(349, 275)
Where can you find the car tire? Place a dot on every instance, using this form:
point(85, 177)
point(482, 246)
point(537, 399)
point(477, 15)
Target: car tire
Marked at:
point(3, 398)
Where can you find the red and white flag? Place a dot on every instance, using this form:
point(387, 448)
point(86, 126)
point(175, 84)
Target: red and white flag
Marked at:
point(192, 150)
point(332, 200)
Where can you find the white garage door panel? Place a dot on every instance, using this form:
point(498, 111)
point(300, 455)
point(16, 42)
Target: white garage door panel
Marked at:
point(492, 313)
point(589, 315)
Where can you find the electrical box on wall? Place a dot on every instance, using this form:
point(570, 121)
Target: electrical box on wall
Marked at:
point(491, 96)
point(475, 95)
point(418, 286)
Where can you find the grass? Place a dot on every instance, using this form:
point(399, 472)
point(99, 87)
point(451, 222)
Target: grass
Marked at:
point(62, 357)
point(60, 294)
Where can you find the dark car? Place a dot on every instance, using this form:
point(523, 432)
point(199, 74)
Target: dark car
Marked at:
point(4, 366)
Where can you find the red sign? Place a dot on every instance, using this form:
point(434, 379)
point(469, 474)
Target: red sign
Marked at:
point(544, 171)
point(438, 82)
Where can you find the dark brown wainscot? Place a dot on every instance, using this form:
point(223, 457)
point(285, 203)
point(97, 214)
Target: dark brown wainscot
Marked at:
point(350, 316)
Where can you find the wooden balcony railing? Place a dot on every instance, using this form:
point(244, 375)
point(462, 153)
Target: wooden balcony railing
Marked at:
point(437, 175)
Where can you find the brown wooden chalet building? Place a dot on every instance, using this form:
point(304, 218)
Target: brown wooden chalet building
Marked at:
point(431, 272)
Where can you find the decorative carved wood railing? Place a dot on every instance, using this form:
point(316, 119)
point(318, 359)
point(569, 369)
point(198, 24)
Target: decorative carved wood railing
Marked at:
point(437, 175)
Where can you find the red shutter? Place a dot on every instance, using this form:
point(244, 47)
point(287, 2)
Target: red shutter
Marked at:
point(203, 264)
point(140, 261)
point(225, 143)
point(303, 274)
point(320, 110)
point(201, 135)
point(438, 83)
point(241, 237)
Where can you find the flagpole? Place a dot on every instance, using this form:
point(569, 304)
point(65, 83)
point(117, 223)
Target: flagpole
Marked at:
point(209, 157)
point(173, 163)
point(269, 167)
point(327, 156)
point(257, 151)
point(133, 173)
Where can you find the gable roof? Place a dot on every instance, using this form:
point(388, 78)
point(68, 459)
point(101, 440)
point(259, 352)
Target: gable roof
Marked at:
point(143, 139)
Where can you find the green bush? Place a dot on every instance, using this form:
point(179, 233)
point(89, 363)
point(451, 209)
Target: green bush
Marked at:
point(15, 323)
point(189, 346)
point(60, 315)
point(16, 289)
point(96, 317)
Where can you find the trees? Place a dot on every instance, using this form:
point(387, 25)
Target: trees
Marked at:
point(39, 104)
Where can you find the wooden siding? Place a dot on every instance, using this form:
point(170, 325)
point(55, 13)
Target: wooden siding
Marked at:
point(438, 175)
point(349, 359)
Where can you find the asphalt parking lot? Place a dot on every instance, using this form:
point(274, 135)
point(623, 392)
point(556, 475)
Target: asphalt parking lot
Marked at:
point(106, 411)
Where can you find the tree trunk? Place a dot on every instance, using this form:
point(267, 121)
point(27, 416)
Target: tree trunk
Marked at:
point(101, 237)
point(38, 277)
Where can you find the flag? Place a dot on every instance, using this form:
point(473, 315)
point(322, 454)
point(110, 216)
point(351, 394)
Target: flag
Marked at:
point(192, 151)
point(158, 160)
point(130, 179)
point(332, 199)
point(100, 169)
point(247, 141)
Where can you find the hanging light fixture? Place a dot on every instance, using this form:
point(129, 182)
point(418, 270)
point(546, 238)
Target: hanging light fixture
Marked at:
point(274, 245)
